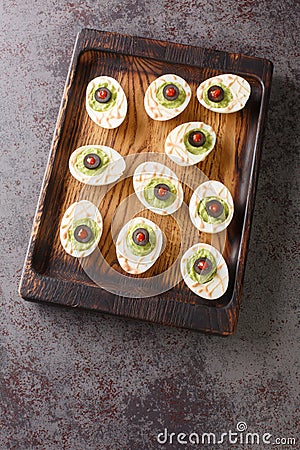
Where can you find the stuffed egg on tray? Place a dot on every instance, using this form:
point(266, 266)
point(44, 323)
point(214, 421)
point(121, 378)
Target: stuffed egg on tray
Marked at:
point(158, 188)
point(96, 165)
point(205, 271)
point(106, 102)
point(81, 229)
point(211, 207)
point(190, 143)
point(225, 93)
point(139, 245)
point(166, 97)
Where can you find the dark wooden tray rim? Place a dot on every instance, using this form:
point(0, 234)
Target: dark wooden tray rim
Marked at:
point(220, 320)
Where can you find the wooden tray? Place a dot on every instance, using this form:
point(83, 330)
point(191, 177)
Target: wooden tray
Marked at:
point(49, 274)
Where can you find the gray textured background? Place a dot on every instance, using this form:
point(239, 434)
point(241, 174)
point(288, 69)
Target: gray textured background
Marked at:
point(81, 381)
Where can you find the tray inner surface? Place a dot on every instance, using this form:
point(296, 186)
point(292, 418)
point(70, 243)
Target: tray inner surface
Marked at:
point(230, 162)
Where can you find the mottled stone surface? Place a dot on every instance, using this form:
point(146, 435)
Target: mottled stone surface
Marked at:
point(81, 381)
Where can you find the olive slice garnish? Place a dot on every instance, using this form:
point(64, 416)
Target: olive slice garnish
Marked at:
point(162, 191)
point(140, 236)
point(203, 266)
point(170, 92)
point(83, 234)
point(197, 138)
point(214, 208)
point(92, 161)
point(215, 94)
point(102, 95)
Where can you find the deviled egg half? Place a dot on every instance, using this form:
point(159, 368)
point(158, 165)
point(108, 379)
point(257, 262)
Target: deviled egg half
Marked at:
point(106, 102)
point(190, 143)
point(158, 188)
point(166, 97)
point(211, 207)
point(139, 245)
point(225, 93)
point(81, 229)
point(205, 271)
point(96, 165)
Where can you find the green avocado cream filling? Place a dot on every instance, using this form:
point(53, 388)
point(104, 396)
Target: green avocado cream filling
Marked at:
point(141, 250)
point(202, 211)
point(202, 253)
point(224, 103)
point(153, 200)
point(171, 103)
point(198, 150)
point(101, 107)
point(81, 246)
point(79, 164)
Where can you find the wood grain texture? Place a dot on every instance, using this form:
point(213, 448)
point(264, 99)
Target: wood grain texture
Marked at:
point(51, 275)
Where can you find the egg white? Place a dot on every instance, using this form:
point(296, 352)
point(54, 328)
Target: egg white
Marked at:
point(210, 188)
point(144, 173)
point(79, 210)
point(110, 174)
point(152, 106)
point(175, 148)
point(239, 87)
point(218, 285)
point(132, 263)
point(113, 117)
